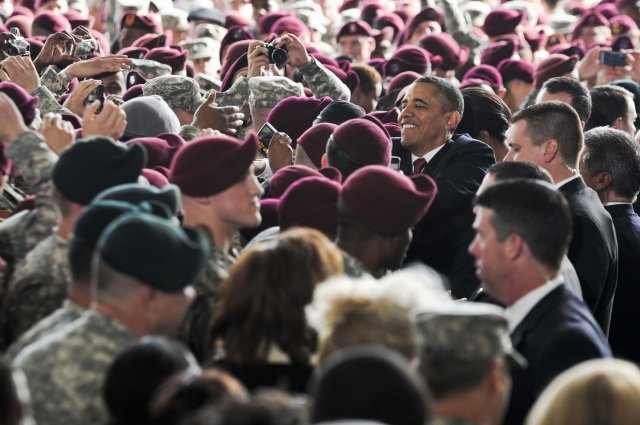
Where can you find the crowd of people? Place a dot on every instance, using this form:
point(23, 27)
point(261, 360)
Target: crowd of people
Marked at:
point(248, 212)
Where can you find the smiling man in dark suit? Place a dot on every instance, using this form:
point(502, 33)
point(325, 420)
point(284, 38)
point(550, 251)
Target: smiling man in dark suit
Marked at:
point(519, 244)
point(609, 165)
point(549, 134)
point(431, 110)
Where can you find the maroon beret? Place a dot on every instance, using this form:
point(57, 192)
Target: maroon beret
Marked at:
point(622, 24)
point(151, 41)
point(622, 42)
point(76, 19)
point(268, 19)
point(234, 35)
point(22, 22)
point(311, 202)
point(487, 73)
point(349, 77)
point(289, 24)
point(325, 60)
point(21, 10)
point(155, 178)
point(133, 92)
point(576, 48)
point(407, 58)
point(210, 164)
point(168, 56)
point(386, 117)
point(377, 64)
point(131, 20)
point(134, 52)
point(392, 20)
point(105, 48)
point(269, 214)
point(349, 4)
point(402, 80)
point(537, 39)
point(159, 151)
point(286, 176)
point(608, 10)
point(590, 19)
point(516, 69)
point(314, 141)
point(359, 27)
point(443, 46)
point(24, 101)
point(233, 53)
point(365, 140)
point(294, 115)
point(174, 141)
point(555, 65)
point(51, 22)
point(235, 19)
point(386, 201)
point(393, 129)
point(427, 14)
point(502, 21)
point(498, 51)
point(229, 71)
point(370, 11)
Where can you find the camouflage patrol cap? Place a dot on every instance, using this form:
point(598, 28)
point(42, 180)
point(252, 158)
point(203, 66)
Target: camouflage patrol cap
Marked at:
point(214, 32)
point(178, 91)
point(200, 48)
point(175, 19)
point(266, 92)
point(464, 332)
point(149, 68)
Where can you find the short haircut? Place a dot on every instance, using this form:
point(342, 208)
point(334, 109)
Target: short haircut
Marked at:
point(519, 170)
point(368, 76)
point(542, 217)
point(609, 104)
point(446, 378)
point(615, 152)
point(449, 95)
point(484, 111)
point(554, 120)
point(80, 257)
point(580, 99)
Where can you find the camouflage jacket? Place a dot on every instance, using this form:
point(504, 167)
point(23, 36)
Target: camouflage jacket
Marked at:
point(459, 26)
point(66, 370)
point(35, 161)
point(66, 314)
point(196, 326)
point(352, 266)
point(37, 288)
point(51, 81)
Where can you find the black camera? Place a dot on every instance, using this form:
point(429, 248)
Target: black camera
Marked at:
point(277, 55)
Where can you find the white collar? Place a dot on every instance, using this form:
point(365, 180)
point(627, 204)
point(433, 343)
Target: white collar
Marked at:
point(565, 181)
point(519, 310)
point(617, 203)
point(429, 155)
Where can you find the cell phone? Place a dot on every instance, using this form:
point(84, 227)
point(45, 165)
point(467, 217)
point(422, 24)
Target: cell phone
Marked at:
point(97, 94)
point(265, 135)
point(613, 58)
point(395, 163)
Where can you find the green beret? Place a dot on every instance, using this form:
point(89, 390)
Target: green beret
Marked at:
point(137, 193)
point(93, 220)
point(94, 164)
point(154, 251)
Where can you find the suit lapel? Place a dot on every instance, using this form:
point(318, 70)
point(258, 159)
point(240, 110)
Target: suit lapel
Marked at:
point(573, 186)
point(536, 314)
point(432, 165)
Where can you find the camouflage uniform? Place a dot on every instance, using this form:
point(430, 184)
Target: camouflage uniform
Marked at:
point(47, 102)
point(353, 267)
point(149, 69)
point(65, 371)
point(179, 92)
point(196, 326)
point(323, 82)
point(460, 28)
point(189, 132)
point(266, 92)
point(53, 82)
point(35, 161)
point(37, 288)
point(66, 314)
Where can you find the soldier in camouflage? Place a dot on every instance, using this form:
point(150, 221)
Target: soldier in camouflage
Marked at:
point(40, 283)
point(220, 194)
point(463, 349)
point(182, 94)
point(66, 370)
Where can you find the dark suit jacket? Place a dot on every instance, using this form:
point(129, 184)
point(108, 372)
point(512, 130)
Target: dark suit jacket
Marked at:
point(593, 250)
point(559, 332)
point(442, 237)
point(625, 318)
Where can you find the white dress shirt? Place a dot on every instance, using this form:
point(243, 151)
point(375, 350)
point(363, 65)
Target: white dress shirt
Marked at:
point(519, 310)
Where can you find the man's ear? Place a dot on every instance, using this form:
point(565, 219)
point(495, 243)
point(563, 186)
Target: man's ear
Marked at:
point(453, 120)
point(618, 123)
point(603, 181)
point(550, 150)
point(324, 161)
point(513, 246)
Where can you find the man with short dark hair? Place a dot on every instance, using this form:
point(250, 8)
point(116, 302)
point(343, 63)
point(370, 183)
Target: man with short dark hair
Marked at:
point(609, 165)
point(612, 107)
point(570, 91)
point(431, 110)
point(549, 134)
point(519, 245)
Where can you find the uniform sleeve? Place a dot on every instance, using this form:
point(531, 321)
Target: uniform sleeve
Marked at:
point(323, 82)
point(50, 80)
point(47, 102)
point(458, 26)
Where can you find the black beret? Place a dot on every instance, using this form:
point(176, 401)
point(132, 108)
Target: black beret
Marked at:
point(154, 251)
point(137, 193)
point(97, 217)
point(207, 14)
point(94, 164)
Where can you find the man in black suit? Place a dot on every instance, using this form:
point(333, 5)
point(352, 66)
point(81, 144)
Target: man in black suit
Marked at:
point(609, 165)
point(431, 110)
point(549, 134)
point(523, 229)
